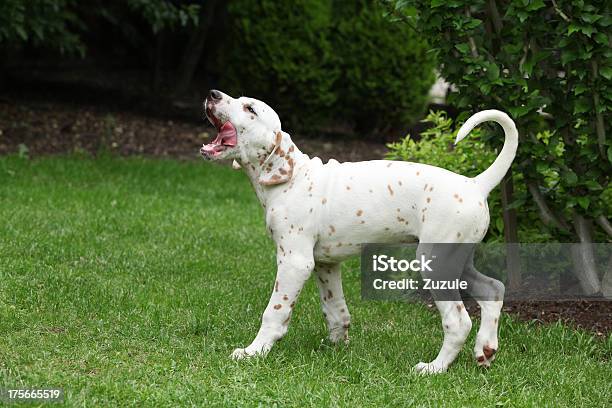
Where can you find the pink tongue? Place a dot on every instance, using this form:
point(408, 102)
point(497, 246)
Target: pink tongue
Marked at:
point(227, 135)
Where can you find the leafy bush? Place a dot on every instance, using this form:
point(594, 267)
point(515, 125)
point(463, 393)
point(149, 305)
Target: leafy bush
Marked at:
point(525, 57)
point(280, 52)
point(314, 60)
point(59, 24)
point(469, 158)
point(386, 71)
point(43, 23)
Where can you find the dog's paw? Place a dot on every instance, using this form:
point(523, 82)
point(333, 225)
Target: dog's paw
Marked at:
point(339, 336)
point(429, 368)
point(239, 354)
point(485, 356)
point(250, 352)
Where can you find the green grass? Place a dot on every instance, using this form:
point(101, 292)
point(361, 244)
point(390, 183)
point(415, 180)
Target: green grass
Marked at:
point(130, 281)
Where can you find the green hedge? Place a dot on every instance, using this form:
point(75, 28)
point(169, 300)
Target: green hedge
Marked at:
point(322, 61)
point(386, 70)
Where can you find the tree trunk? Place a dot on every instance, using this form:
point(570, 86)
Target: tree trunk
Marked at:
point(513, 262)
point(583, 257)
point(193, 50)
point(606, 282)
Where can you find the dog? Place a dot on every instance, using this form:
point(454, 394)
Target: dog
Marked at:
point(320, 214)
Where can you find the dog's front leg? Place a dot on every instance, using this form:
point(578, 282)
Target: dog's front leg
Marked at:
point(294, 268)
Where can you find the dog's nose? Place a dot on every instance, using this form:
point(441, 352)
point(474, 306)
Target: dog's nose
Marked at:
point(214, 94)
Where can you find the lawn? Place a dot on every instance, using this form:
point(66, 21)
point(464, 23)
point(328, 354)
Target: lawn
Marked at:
point(130, 281)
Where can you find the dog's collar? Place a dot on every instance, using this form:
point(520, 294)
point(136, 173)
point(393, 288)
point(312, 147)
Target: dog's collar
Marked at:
point(277, 144)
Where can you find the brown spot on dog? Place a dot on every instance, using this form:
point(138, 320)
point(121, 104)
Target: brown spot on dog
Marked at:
point(346, 325)
point(276, 286)
point(359, 213)
point(488, 351)
point(425, 188)
point(481, 359)
point(286, 322)
point(371, 191)
point(323, 201)
point(400, 219)
point(431, 188)
point(459, 308)
point(480, 203)
point(292, 304)
point(331, 229)
point(348, 187)
point(389, 165)
point(399, 182)
point(278, 306)
point(495, 320)
point(342, 310)
point(321, 279)
point(428, 200)
point(310, 210)
point(390, 189)
point(423, 218)
point(285, 297)
point(362, 222)
point(458, 235)
point(291, 149)
point(330, 294)
point(418, 173)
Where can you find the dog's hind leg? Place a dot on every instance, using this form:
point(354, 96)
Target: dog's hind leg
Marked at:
point(489, 293)
point(448, 261)
point(329, 281)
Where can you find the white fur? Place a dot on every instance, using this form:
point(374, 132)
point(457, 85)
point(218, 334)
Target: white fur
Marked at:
point(319, 215)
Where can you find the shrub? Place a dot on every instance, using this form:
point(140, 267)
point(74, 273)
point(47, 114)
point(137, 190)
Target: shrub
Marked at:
point(318, 60)
point(386, 71)
point(280, 52)
point(531, 56)
point(469, 158)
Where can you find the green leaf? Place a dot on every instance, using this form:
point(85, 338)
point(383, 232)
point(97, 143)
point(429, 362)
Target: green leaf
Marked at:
point(499, 224)
point(580, 88)
point(464, 48)
point(570, 178)
point(516, 204)
point(583, 202)
point(592, 185)
point(601, 38)
point(606, 72)
point(492, 72)
point(582, 105)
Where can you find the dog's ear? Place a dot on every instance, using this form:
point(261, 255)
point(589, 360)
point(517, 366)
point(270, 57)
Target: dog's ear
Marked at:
point(278, 166)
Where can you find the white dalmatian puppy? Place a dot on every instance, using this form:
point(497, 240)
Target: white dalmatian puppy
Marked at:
point(320, 214)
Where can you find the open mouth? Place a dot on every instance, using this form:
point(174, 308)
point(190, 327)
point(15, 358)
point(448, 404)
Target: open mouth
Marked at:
point(226, 136)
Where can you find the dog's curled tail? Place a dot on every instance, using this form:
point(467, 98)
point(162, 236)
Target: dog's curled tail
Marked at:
point(492, 176)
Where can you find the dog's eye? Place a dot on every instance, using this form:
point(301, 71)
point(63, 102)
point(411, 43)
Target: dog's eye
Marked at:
point(250, 109)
